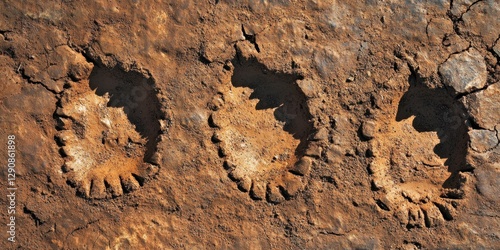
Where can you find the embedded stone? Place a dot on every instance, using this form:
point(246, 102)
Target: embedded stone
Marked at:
point(274, 194)
point(483, 106)
point(464, 72)
point(335, 154)
point(258, 191)
point(482, 20)
point(321, 135)
point(245, 184)
point(302, 167)
point(309, 88)
point(368, 129)
point(483, 140)
point(292, 184)
point(314, 150)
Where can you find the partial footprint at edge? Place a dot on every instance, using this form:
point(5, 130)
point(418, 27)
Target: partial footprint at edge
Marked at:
point(262, 128)
point(105, 152)
point(419, 151)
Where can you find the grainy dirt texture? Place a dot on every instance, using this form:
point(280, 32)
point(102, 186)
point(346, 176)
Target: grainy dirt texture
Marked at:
point(266, 124)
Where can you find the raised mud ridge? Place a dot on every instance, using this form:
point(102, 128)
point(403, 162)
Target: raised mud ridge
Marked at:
point(262, 127)
point(108, 132)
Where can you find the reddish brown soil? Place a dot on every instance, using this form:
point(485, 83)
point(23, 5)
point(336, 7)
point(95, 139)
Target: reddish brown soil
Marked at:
point(273, 124)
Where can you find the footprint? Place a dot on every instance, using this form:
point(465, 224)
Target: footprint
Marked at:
point(262, 125)
point(419, 156)
point(108, 129)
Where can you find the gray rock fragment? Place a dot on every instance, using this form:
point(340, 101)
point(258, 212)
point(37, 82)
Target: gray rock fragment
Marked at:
point(481, 19)
point(483, 140)
point(464, 72)
point(483, 106)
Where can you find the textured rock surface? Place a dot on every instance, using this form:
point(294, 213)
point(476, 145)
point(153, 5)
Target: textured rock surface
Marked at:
point(481, 19)
point(275, 124)
point(483, 140)
point(464, 72)
point(484, 105)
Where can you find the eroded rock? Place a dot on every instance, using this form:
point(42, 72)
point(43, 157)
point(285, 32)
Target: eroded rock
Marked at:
point(464, 72)
point(368, 129)
point(482, 19)
point(483, 140)
point(483, 106)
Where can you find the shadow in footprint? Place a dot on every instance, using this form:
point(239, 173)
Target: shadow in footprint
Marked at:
point(276, 90)
point(136, 94)
point(435, 110)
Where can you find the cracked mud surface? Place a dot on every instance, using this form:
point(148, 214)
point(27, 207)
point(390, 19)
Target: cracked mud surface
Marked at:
point(252, 124)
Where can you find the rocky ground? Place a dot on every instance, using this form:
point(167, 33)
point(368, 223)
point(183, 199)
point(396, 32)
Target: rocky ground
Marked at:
point(268, 124)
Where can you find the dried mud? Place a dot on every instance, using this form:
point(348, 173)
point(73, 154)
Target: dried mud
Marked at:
point(252, 124)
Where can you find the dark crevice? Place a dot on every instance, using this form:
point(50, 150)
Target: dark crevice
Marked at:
point(331, 233)
point(107, 187)
point(493, 52)
point(33, 216)
point(444, 211)
point(498, 136)
point(82, 227)
point(237, 58)
point(456, 53)
point(10, 52)
point(427, 219)
point(71, 183)
point(473, 124)
point(58, 141)
point(285, 193)
point(126, 188)
point(253, 195)
point(20, 71)
point(203, 59)
point(211, 122)
point(139, 179)
point(469, 8)
point(252, 38)
point(79, 191)
point(381, 205)
point(460, 95)
point(2, 32)
point(220, 152)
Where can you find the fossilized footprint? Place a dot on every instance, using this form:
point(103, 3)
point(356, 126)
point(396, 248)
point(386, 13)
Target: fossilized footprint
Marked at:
point(104, 151)
point(262, 130)
point(419, 152)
